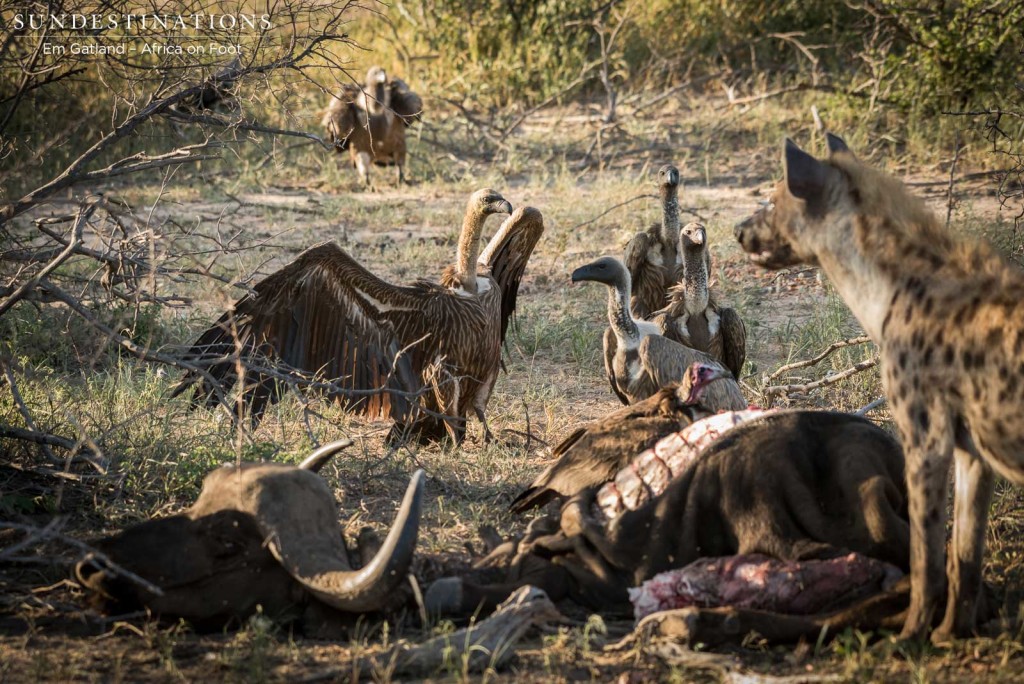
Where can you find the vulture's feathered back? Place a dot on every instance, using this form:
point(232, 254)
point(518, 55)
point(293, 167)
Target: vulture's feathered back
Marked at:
point(593, 454)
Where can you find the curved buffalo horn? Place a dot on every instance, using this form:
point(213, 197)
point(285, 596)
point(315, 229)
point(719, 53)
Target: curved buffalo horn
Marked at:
point(303, 534)
point(319, 458)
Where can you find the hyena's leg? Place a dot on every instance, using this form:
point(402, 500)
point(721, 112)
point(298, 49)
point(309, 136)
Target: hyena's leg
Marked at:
point(974, 484)
point(928, 443)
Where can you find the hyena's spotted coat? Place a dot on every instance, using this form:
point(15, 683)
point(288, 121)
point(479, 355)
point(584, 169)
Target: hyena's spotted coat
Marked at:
point(948, 317)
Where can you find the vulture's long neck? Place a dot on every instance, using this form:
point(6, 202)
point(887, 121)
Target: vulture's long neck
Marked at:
point(695, 279)
point(619, 316)
point(669, 222)
point(377, 97)
point(469, 249)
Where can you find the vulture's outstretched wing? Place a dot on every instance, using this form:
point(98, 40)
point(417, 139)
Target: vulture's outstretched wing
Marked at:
point(321, 314)
point(647, 281)
point(506, 255)
point(734, 340)
point(342, 115)
point(666, 362)
point(405, 103)
point(611, 344)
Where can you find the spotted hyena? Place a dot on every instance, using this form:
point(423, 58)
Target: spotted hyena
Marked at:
point(948, 318)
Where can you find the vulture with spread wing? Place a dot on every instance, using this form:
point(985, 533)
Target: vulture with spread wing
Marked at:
point(370, 121)
point(637, 358)
point(424, 354)
point(693, 317)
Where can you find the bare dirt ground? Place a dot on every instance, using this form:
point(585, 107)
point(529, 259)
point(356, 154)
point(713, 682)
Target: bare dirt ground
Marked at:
point(555, 381)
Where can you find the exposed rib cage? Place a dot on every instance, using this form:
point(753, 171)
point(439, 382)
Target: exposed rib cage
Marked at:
point(650, 473)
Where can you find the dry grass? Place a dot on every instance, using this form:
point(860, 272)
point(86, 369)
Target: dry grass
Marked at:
point(159, 450)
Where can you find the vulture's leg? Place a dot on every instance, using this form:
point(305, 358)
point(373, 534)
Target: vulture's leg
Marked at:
point(488, 435)
point(973, 493)
point(401, 173)
point(363, 164)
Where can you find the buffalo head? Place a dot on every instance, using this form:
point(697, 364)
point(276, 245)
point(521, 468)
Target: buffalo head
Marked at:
point(260, 534)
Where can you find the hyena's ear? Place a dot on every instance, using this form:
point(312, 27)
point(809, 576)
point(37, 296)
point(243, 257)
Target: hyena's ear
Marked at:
point(836, 144)
point(806, 177)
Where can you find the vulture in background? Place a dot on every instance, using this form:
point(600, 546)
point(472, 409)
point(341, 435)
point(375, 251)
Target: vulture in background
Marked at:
point(651, 256)
point(424, 354)
point(217, 90)
point(639, 361)
point(693, 317)
point(370, 122)
point(593, 454)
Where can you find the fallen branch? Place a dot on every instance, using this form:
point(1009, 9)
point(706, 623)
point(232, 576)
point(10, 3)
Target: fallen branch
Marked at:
point(485, 645)
point(835, 346)
point(69, 249)
point(613, 208)
point(864, 410)
point(827, 380)
point(52, 531)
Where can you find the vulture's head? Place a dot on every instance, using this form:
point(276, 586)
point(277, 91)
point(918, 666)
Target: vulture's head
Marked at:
point(698, 377)
point(376, 76)
point(487, 202)
point(668, 177)
point(607, 270)
point(693, 237)
point(260, 536)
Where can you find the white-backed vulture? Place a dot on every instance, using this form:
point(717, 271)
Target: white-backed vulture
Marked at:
point(381, 343)
point(593, 454)
point(637, 358)
point(693, 317)
point(370, 122)
point(652, 255)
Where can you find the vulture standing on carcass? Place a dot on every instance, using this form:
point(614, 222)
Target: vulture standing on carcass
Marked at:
point(593, 454)
point(326, 314)
point(693, 317)
point(652, 256)
point(370, 122)
point(637, 359)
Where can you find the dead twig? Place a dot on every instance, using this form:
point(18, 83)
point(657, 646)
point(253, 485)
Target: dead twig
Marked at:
point(32, 283)
point(486, 644)
point(829, 350)
point(827, 380)
point(611, 209)
point(864, 410)
point(38, 535)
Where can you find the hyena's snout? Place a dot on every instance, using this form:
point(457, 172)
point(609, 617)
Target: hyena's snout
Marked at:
point(745, 236)
point(749, 235)
point(762, 244)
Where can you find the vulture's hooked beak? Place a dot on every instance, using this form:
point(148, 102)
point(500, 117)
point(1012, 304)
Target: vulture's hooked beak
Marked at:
point(504, 207)
point(581, 274)
point(698, 235)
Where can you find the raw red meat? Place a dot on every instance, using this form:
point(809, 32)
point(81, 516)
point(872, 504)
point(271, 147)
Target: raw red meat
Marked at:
point(759, 582)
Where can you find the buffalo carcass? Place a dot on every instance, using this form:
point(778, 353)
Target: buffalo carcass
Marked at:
point(261, 536)
point(793, 486)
